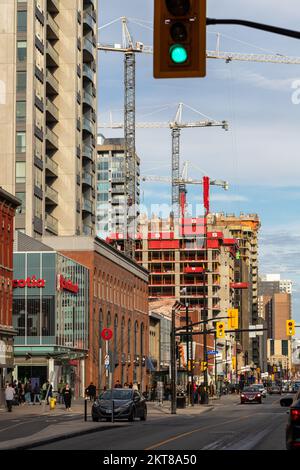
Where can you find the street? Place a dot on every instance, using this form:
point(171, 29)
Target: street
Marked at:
point(226, 426)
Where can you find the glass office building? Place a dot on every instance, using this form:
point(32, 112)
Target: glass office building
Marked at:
point(50, 314)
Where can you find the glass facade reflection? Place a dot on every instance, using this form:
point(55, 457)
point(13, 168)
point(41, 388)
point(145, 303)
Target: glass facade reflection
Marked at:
point(50, 315)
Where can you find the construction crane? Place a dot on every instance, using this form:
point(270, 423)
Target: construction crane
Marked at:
point(176, 125)
point(183, 180)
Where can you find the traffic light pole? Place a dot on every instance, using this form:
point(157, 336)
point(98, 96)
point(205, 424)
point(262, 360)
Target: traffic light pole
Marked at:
point(188, 365)
point(173, 365)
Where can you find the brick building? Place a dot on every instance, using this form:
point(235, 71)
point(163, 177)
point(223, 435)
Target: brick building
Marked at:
point(119, 301)
point(8, 204)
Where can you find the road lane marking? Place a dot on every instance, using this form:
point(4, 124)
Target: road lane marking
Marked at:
point(179, 436)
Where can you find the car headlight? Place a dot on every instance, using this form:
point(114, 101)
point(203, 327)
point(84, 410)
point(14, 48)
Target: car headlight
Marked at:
point(242, 395)
point(258, 394)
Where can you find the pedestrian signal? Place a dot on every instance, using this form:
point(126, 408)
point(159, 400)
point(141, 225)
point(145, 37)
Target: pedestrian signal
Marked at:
point(220, 329)
point(290, 327)
point(179, 38)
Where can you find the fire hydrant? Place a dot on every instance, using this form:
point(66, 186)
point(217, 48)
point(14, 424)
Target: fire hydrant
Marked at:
point(52, 403)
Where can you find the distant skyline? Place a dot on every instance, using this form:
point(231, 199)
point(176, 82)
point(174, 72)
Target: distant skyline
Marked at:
point(258, 155)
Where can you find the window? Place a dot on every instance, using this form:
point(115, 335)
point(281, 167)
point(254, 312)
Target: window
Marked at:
point(21, 142)
point(108, 320)
point(38, 208)
point(102, 197)
point(22, 21)
point(135, 337)
point(284, 347)
point(38, 178)
point(129, 337)
point(142, 339)
point(21, 82)
point(101, 187)
point(21, 51)
point(20, 172)
point(22, 197)
point(21, 110)
point(102, 176)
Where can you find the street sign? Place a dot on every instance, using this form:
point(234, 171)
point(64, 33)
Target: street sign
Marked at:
point(212, 352)
point(106, 334)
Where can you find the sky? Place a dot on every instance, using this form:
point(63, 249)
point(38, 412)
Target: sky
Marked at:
point(258, 156)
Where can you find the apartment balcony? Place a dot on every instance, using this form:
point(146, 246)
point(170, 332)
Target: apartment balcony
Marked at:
point(87, 179)
point(120, 190)
point(53, 6)
point(88, 125)
point(88, 50)
point(88, 72)
point(52, 84)
point(87, 98)
point(51, 167)
point(88, 20)
point(87, 152)
point(51, 196)
point(87, 206)
point(51, 224)
point(52, 28)
point(52, 139)
point(52, 55)
point(52, 111)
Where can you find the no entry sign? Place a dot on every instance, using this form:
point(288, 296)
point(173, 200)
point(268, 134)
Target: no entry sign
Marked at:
point(106, 334)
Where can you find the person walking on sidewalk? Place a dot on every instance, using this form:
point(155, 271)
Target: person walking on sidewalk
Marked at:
point(91, 391)
point(36, 394)
point(67, 394)
point(9, 396)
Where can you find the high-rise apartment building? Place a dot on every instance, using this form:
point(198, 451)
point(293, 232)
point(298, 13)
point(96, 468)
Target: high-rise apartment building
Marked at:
point(48, 119)
point(113, 205)
point(244, 228)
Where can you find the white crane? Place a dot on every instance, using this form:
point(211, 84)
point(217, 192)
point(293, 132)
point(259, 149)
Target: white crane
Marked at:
point(176, 125)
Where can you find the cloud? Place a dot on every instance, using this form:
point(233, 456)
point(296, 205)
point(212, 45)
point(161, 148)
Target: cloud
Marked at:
point(258, 80)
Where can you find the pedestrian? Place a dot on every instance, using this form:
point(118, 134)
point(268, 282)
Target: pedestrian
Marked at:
point(27, 390)
point(9, 396)
point(117, 384)
point(126, 385)
point(36, 394)
point(135, 386)
point(91, 391)
point(60, 387)
point(130, 385)
point(67, 394)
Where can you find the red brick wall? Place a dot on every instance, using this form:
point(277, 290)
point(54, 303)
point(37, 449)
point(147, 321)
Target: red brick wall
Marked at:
point(6, 263)
point(117, 293)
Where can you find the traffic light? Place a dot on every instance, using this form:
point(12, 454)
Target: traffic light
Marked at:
point(233, 315)
point(290, 327)
point(220, 329)
point(203, 366)
point(233, 362)
point(179, 38)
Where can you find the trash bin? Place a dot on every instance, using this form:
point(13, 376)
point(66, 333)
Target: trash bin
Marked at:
point(180, 401)
point(52, 403)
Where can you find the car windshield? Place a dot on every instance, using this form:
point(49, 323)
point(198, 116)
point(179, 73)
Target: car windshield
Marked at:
point(116, 394)
point(250, 389)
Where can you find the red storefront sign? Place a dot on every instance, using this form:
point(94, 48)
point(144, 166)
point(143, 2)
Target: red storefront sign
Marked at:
point(67, 284)
point(29, 282)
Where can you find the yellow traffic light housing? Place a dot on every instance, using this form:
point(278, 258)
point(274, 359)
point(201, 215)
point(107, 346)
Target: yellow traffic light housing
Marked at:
point(290, 327)
point(233, 316)
point(220, 329)
point(179, 38)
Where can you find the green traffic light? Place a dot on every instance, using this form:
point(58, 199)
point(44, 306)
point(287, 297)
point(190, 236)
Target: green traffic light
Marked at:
point(178, 54)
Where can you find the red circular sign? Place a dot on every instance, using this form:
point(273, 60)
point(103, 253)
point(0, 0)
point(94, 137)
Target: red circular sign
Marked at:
point(106, 334)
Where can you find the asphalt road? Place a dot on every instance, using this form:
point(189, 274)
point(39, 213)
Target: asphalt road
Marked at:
point(226, 427)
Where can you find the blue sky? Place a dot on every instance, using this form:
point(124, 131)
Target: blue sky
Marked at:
point(258, 155)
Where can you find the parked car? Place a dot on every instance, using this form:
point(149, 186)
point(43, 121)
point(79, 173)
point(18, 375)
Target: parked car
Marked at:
point(295, 387)
point(275, 389)
point(251, 395)
point(124, 403)
point(292, 435)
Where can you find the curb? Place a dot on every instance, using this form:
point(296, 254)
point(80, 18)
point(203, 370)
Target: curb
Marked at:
point(62, 437)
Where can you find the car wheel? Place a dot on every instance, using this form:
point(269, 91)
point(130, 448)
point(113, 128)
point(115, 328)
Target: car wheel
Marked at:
point(132, 416)
point(95, 419)
point(144, 417)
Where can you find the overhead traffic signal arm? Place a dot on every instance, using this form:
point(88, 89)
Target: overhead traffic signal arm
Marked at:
point(179, 38)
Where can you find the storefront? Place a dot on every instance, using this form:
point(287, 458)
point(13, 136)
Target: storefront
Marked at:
point(6, 359)
point(50, 315)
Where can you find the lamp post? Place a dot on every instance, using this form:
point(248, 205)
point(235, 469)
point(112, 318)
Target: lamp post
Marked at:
point(173, 358)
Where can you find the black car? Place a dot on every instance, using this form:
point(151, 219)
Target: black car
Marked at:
point(123, 403)
point(293, 426)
